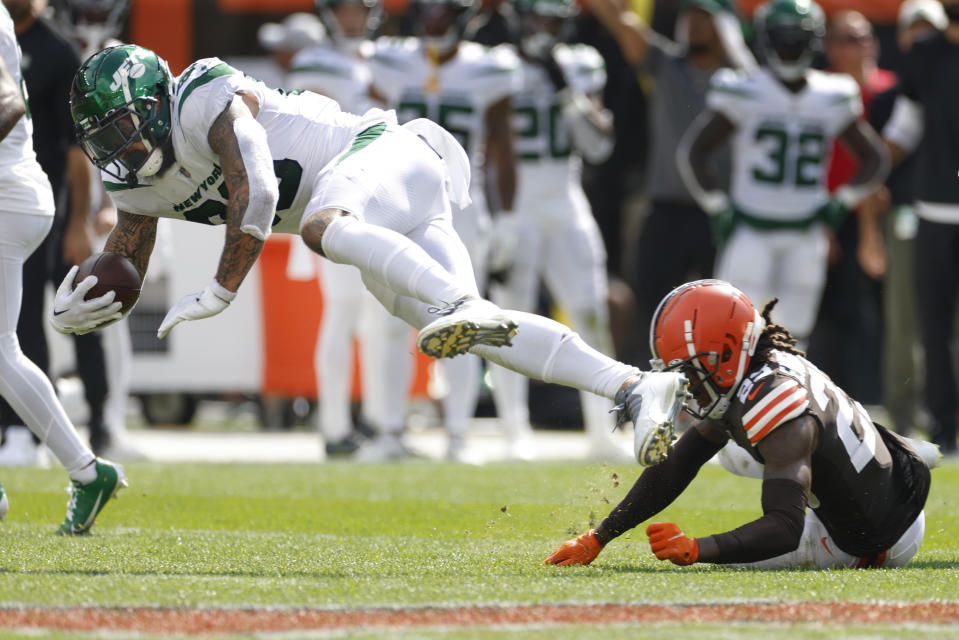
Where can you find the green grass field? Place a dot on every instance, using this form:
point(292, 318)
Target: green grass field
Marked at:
point(410, 535)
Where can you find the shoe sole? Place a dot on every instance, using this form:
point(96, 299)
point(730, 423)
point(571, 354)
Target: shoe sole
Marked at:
point(658, 443)
point(448, 340)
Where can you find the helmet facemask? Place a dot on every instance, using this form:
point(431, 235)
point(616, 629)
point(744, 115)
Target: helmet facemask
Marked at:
point(544, 24)
point(124, 138)
point(708, 331)
point(349, 39)
point(441, 25)
point(790, 50)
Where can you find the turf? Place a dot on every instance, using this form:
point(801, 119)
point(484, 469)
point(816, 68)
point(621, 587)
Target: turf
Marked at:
point(342, 535)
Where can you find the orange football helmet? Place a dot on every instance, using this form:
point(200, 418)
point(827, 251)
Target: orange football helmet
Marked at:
point(708, 329)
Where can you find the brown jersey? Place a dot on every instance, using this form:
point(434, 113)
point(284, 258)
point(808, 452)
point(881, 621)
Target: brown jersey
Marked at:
point(868, 484)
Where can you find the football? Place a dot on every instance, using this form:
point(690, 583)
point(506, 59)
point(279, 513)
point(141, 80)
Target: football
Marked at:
point(114, 273)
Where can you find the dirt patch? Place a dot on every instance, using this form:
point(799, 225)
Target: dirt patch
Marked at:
point(213, 621)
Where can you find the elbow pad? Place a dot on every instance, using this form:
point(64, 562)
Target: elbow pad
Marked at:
point(592, 142)
point(263, 185)
point(906, 124)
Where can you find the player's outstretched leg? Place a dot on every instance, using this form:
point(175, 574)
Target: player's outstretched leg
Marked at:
point(463, 324)
point(88, 499)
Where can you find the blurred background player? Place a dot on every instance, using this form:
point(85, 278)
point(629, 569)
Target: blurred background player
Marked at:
point(847, 339)
point(781, 121)
point(838, 490)
point(466, 89)
point(337, 68)
point(285, 39)
point(26, 216)
point(925, 113)
point(559, 119)
point(49, 63)
point(675, 243)
point(95, 25)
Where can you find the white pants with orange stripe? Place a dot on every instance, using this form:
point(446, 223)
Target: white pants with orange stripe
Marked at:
point(816, 548)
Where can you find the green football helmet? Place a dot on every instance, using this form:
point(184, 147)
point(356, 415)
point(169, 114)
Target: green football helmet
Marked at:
point(120, 103)
point(543, 23)
point(326, 10)
point(790, 33)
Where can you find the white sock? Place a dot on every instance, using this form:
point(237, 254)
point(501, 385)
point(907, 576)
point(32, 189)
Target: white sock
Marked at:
point(547, 350)
point(31, 395)
point(390, 258)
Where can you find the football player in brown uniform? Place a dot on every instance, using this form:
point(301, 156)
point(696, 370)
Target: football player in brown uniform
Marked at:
point(864, 486)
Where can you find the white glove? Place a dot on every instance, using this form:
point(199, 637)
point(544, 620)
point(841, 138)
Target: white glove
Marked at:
point(203, 304)
point(73, 314)
point(504, 239)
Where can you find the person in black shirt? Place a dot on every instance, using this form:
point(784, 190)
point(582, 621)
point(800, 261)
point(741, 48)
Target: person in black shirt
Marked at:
point(49, 62)
point(865, 486)
point(901, 380)
point(929, 83)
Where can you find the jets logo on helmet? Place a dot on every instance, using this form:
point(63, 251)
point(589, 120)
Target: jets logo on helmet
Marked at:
point(790, 34)
point(708, 330)
point(120, 103)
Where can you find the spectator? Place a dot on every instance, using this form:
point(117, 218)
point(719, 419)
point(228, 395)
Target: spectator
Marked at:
point(847, 339)
point(924, 118)
point(675, 243)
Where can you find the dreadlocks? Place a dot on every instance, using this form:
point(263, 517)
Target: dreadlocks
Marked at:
point(774, 336)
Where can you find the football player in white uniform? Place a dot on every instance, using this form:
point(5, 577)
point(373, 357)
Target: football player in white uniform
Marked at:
point(558, 118)
point(214, 146)
point(781, 121)
point(26, 215)
point(466, 89)
point(338, 69)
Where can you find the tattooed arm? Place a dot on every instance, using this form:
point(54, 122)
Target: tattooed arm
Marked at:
point(133, 237)
point(240, 143)
point(244, 154)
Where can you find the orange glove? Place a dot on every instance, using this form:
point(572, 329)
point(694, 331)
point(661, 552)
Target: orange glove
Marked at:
point(581, 550)
point(668, 542)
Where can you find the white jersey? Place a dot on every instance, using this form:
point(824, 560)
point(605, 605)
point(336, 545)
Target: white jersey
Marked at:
point(543, 148)
point(344, 77)
point(456, 95)
point(305, 131)
point(783, 140)
point(23, 184)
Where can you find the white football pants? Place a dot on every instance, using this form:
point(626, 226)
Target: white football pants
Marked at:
point(22, 383)
point(816, 549)
point(402, 240)
point(789, 265)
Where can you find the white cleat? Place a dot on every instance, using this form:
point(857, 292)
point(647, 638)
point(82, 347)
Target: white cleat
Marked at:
point(464, 324)
point(653, 404)
point(386, 447)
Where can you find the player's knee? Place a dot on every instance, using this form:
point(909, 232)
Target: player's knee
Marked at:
point(314, 226)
